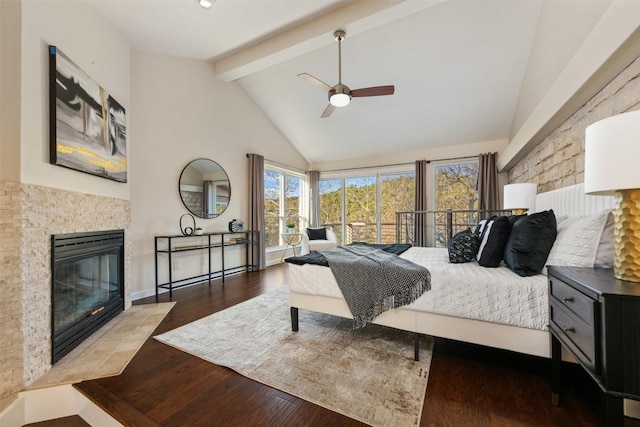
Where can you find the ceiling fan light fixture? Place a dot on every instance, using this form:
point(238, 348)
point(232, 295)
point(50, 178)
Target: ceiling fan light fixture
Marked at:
point(206, 3)
point(339, 99)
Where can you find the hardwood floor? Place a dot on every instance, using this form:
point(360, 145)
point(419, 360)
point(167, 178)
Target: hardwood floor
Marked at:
point(468, 385)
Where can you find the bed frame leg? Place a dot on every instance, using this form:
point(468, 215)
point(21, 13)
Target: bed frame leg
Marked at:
point(294, 319)
point(416, 347)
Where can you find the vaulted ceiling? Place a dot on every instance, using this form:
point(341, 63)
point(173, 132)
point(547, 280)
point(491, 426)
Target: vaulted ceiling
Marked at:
point(458, 66)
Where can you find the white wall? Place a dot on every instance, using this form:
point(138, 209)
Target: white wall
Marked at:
point(432, 153)
point(183, 112)
point(612, 44)
point(10, 17)
point(562, 28)
point(100, 51)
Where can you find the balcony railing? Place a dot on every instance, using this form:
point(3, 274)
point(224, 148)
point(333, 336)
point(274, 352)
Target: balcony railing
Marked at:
point(439, 226)
point(364, 232)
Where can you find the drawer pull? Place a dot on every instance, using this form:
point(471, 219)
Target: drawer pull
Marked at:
point(567, 329)
point(567, 299)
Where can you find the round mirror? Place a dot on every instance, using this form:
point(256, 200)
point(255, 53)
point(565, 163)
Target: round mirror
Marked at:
point(204, 188)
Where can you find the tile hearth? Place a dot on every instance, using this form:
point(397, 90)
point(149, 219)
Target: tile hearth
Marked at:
point(108, 351)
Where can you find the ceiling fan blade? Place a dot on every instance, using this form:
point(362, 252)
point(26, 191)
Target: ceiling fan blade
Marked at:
point(315, 81)
point(373, 91)
point(328, 111)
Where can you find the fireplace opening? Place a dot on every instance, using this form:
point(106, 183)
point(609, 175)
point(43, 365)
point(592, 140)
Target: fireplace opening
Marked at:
point(87, 286)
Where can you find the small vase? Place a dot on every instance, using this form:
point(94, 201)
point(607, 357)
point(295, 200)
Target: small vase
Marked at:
point(198, 233)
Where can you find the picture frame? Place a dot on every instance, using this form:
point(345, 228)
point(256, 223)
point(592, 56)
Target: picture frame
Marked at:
point(87, 125)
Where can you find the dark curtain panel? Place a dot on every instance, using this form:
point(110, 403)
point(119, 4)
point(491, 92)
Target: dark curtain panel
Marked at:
point(256, 207)
point(420, 220)
point(314, 187)
point(488, 190)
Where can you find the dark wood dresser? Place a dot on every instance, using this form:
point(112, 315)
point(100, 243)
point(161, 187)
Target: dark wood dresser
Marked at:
point(596, 317)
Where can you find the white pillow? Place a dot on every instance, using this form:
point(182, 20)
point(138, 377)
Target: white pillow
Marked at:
point(604, 256)
point(577, 242)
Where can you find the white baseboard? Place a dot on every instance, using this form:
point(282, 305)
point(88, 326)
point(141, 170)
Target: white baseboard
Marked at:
point(152, 292)
point(632, 408)
point(49, 403)
point(146, 293)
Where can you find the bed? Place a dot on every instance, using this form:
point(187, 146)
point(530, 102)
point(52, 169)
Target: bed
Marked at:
point(488, 306)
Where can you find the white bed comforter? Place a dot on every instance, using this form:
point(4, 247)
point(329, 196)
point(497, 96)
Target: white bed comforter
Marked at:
point(495, 295)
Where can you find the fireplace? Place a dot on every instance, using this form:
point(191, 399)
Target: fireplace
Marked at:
point(87, 286)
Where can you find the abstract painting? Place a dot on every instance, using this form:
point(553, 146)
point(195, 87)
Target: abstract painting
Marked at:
point(87, 125)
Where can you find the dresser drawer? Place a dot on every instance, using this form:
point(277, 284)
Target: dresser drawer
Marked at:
point(573, 300)
point(576, 334)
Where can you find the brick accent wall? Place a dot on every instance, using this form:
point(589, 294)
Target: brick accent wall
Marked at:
point(558, 161)
point(39, 213)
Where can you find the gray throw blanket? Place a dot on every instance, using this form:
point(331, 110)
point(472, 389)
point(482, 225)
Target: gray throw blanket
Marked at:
point(373, 281)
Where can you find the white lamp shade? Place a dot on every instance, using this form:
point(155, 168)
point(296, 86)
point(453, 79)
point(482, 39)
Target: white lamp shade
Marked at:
point(518, 196)
point(612, 154)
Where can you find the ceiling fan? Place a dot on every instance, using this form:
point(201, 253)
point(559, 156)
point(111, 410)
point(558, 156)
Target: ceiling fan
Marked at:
point(340, 95)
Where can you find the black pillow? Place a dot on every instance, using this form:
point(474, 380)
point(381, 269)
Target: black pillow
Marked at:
point(530, 242)
point(463, 246)
point(493, 240)
point(514, 218)
point(317, 233)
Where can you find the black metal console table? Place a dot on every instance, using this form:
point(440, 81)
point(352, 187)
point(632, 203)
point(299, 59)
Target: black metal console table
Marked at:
point(169, 245)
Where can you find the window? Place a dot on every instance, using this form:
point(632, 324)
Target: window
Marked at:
point(285, 202)
point(361, 207)
point(331, 205)
point(397, 194)
point(455, 189)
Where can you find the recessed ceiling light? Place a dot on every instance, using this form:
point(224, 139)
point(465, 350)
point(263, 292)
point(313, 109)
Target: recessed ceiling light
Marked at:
point(206, 3)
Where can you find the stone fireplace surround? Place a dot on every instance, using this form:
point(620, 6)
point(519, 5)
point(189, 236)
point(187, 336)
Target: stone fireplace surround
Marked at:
point(29, 215)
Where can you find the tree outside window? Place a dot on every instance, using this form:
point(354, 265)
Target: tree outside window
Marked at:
point(272, 207)
point(370, 205)
point(455, 189)
point(331, 205)
point(397, 194)
point(284, 203)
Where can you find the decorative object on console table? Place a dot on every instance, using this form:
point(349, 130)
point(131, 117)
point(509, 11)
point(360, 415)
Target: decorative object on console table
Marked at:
point(612, 150)
point(596, 317)
point(517, 197)
point(185, 230)
point(238, 240)
point(236, 225)
point(77, 103)
point(198, 231)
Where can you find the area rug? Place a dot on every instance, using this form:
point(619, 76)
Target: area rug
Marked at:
point(367, 374)
point(110, 349)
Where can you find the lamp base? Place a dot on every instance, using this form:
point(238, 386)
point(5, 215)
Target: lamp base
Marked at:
point(626, 235)
point(519, 211)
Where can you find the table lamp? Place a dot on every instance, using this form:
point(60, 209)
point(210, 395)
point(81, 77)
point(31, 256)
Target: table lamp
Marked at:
point(517, 197)
point(611, 166)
